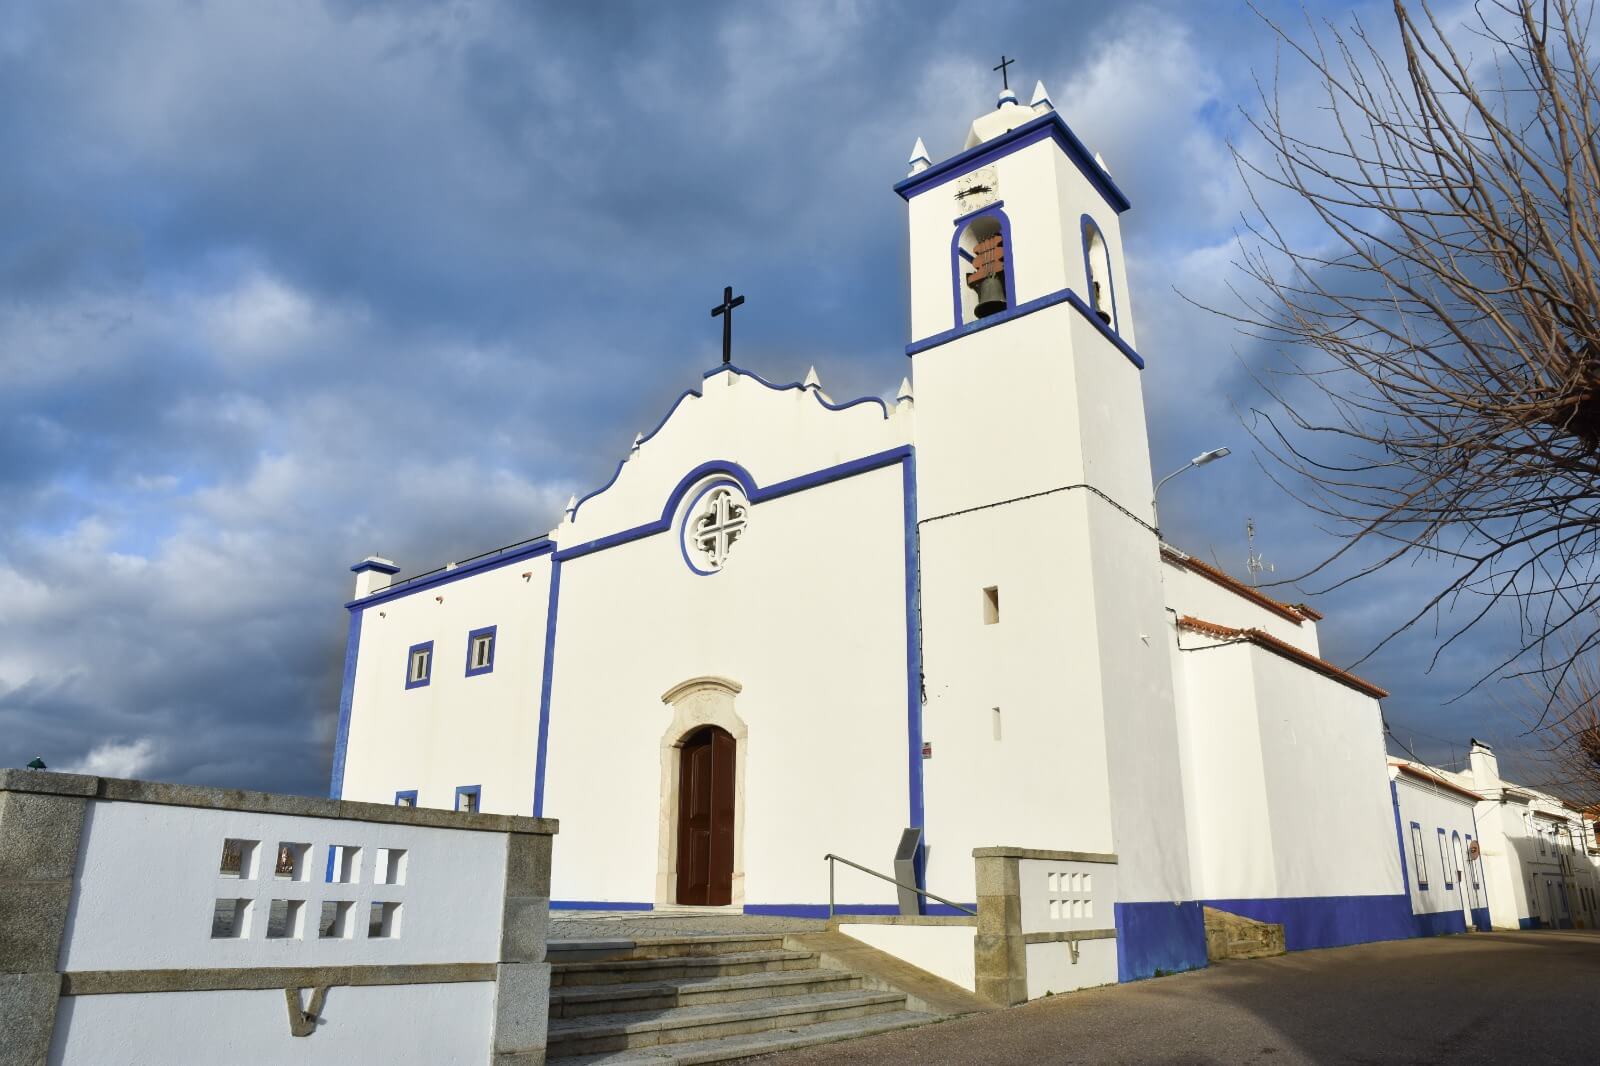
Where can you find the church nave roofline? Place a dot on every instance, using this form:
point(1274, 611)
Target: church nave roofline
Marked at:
point(1267, 642)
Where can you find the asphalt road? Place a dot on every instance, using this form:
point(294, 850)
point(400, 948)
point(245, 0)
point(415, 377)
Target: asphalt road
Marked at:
point(1482, 998)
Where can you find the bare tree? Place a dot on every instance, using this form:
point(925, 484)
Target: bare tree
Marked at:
point(1567, 720)
point(1445, 398)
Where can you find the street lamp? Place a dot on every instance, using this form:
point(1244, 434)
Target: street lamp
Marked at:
point(1200, 460)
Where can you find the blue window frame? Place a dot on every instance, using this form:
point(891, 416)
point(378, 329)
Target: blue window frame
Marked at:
point(419, 664)
point(480, 651)
point(1444, 859)
point(469, 798)
point(406, 798)
point(1419, 856)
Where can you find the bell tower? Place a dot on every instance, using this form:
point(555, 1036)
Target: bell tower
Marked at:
point(1048, 686)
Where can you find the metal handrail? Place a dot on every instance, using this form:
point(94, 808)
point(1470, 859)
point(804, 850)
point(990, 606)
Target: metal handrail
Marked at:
point(831, 858)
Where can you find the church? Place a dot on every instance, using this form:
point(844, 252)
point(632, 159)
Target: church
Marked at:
point(793, 624)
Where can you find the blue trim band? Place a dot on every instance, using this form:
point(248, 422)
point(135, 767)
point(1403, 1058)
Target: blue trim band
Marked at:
point(1049, 300)
point(1480, 919)
point(728, 368)
point(373, 564)
point(472, 638)
point(596, 905)
point(1159, 938)
point(753, 493)
point(1441, 923)
point(554, 600)
point(444, 577)
point(1400, 836)
point(347, 693)
point(915, 781)
point(1049, 126)
point(1329, 921)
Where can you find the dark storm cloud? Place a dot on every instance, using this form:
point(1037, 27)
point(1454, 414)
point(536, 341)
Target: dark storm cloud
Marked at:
point(281, 285)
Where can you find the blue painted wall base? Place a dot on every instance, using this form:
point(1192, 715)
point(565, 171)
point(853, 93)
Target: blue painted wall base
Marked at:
point(1329, 921)
point(1441, 923)
point(1480, 918)
point(1159, 938)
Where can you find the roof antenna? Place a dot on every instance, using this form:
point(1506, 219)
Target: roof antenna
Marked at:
point(1253, 560)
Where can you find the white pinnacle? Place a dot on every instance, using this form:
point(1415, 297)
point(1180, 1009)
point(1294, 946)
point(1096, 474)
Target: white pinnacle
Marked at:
point(638, 439)
point(919, 157)
point(572, 505)
point(812, 381)
point(1101, 163)
point(1041, 99)
point(905, 391)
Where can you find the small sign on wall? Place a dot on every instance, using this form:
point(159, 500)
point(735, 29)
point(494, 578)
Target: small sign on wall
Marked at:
point(927, 749)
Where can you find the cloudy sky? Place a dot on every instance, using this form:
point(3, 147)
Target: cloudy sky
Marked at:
point(285, 284)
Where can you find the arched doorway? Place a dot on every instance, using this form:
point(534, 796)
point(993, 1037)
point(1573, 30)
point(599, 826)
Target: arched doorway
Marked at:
point(706, 814)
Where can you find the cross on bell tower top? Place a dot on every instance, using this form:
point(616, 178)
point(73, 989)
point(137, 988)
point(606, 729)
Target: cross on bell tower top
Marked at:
point(1005, 80)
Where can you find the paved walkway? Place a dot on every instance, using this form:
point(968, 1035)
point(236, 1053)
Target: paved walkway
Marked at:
point(1481, 998)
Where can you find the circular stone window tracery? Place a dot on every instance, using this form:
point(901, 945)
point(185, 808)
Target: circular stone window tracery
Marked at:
point(713, 523)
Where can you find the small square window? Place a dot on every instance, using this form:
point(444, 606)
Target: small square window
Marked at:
point(419, 664)
point(391, 866)
point(383, 922)
point(283, 919)
point(407, 798)
point(480, 651)
point(469, 799)
point(230, 919)
point(344, 864)
point(991, 605)
point(335, 923)
point(291, 864)
point(239, 859)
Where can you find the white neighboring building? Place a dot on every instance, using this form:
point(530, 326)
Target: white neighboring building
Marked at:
point(1437, 823)
point(790, 626)
point(1541, 858)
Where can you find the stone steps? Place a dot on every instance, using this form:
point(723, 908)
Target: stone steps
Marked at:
point(748, 1045)
point(691, 999)
point(634, 971)
point(572, 1001)
point(642, 1029)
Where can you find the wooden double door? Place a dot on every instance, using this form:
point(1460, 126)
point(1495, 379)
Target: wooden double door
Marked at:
point(705, 818)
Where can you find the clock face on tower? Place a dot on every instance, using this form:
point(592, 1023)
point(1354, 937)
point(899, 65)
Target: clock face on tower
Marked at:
point(978, 189)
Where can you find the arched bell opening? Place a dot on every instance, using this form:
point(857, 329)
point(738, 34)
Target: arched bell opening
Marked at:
point(1097, 268)
point(983, 279)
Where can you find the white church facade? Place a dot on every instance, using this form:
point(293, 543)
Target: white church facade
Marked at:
point(791, 625)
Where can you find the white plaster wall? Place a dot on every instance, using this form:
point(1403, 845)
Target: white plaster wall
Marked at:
point(1223, 774)
point(456, 730)
point(1326, 776)
point(1124, 570)
point(436, 1025)
point(1078, 197)
point(808, 616)
point(1434, 809)
point(1500, 824)
point(1189, 593)
point(1051, 968)
point(148, 882)
point(1043, 782)
point(942, 950)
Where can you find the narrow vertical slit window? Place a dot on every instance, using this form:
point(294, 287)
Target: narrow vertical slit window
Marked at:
point(480, 651)
point(996, 717)
point(419, 664)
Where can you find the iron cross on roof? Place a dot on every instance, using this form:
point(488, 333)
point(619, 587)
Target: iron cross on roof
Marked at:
point(725, 309)
point(1005, 82)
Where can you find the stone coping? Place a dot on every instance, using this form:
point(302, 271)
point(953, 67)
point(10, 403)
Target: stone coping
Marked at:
point(900, 919)
point(48, 782)
point(1039, 853)
point(1066, 936)
point(257, 978)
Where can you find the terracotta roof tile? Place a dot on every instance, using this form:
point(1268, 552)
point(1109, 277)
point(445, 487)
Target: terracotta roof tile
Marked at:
point(1285, 650)
point(1295, 614)
point(1427, 774)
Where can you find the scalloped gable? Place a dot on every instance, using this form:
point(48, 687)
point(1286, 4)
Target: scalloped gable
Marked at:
point(776, 432)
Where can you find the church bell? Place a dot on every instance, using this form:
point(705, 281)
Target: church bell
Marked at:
point(987, 278)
